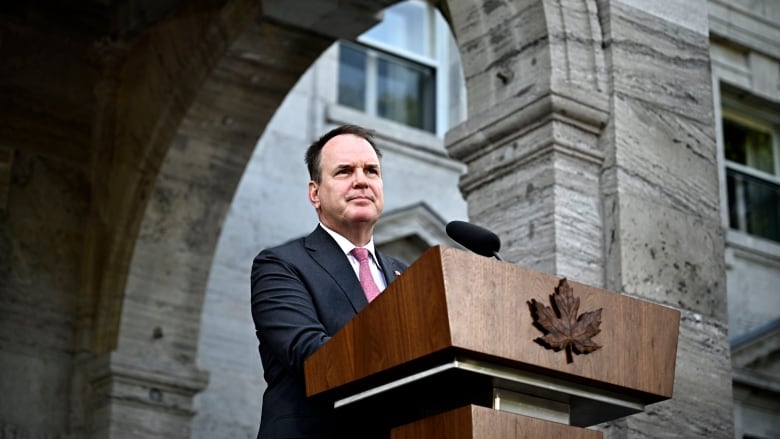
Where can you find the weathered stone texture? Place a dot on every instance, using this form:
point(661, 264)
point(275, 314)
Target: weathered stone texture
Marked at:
point(663, 223)
point(519, 208)
point(667, 158)
point(39, 288)
point(578, 228)
point(666, 179)
point(576, 45)
point(535, 168)
point(669, 170)
point(656, 61)
point(503, 49)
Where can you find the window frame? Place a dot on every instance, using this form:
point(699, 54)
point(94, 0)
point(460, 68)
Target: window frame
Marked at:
point(755, 115)
point(371, 101)
point(438, 57)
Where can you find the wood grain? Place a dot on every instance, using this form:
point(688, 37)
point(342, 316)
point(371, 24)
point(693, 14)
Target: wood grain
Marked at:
point(450, 299)
point(474, 422)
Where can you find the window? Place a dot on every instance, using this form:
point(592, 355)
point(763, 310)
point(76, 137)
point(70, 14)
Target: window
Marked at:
point(404, 27)
point(752, 184)
point(387, 86)
point(405, 69)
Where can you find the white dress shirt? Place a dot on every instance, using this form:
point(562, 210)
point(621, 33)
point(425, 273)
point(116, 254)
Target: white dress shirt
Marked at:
point(347, 247)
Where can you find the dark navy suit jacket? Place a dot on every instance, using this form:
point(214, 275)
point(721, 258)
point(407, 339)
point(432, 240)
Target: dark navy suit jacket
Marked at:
point(302, 293)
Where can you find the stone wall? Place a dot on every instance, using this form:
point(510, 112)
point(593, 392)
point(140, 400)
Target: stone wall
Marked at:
point(746, 74)
point(745, 53)
point(39, 287)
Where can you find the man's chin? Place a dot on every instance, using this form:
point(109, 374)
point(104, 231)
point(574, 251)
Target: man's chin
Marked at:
point(364, 217)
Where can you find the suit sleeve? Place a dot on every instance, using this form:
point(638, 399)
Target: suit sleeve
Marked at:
point(283, 311)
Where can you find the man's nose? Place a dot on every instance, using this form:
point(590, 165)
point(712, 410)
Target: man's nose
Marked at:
point(360, 178)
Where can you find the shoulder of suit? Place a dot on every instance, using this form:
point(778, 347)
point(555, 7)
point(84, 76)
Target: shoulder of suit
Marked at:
point(397, 263)
point(294, 244)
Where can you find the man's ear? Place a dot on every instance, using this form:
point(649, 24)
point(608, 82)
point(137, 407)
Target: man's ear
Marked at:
point(314, 194)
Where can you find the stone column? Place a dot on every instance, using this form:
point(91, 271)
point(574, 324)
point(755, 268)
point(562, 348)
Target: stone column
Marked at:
point(532, 141)
point(663, 233)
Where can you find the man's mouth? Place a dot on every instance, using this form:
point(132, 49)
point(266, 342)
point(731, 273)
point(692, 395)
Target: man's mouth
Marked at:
point(360, 197)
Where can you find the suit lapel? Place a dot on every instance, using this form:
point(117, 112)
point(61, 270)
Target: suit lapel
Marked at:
point(324, 250)
point(389, 269)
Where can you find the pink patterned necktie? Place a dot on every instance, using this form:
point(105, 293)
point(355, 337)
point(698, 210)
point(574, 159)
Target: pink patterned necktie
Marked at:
point(364, 273)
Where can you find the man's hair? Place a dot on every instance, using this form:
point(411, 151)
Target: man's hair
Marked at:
point(314, 153)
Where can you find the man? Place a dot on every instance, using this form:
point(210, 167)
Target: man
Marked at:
point(306, 290)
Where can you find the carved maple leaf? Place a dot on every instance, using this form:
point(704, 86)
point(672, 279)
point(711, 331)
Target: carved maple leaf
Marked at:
point(562, 327)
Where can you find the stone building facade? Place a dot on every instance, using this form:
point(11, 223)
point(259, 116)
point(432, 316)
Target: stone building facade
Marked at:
point(149, 148)
point(745, 61)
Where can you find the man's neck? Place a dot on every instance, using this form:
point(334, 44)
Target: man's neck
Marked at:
point(358, 237)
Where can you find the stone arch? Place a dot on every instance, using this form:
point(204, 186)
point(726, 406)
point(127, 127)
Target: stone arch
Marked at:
point(514, 51)
point(536, 80)
point(145, 89)
point(153, 326)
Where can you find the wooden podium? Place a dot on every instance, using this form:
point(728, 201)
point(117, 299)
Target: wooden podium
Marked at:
point(454, 348)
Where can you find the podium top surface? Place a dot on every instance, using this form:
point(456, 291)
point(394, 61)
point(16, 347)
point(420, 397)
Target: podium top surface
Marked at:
point(453, 301)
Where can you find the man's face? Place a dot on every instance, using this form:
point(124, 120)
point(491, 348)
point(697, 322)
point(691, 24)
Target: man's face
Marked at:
point(349, 194)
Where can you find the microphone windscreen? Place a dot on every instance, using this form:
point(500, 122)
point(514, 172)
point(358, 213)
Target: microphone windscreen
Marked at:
point(475, 238)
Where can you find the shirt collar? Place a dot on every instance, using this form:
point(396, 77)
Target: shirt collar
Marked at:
point(345, 245)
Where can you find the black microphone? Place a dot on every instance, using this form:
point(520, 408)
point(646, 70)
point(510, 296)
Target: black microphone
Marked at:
point(475, 238)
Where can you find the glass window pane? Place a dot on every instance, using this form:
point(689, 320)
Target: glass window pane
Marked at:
point(406, 93)
point(754, 205)
point(403, 27)
point(748, 145)
point(352, 77)
point(735, 191)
